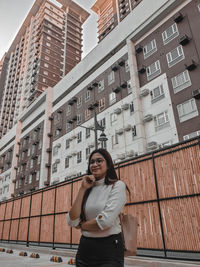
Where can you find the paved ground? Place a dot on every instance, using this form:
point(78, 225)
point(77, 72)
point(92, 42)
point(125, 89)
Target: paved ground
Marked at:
point(14, 260)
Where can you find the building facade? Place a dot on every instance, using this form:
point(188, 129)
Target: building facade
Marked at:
point(46, 48)
point(111, 13)
point(142, 83)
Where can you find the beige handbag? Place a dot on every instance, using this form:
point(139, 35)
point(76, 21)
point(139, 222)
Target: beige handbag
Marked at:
point(129, 227)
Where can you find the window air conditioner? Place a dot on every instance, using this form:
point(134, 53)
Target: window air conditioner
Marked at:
point(147, 118)
point(144, 92)
point(117, 111)
point(196, 94)
point(120, 131)
point(127, 128)
point(130, 153)
point(152, 145)
point(125, 106)
point(121, 156)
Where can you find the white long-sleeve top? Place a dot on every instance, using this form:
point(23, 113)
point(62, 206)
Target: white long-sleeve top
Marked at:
point(105, 202)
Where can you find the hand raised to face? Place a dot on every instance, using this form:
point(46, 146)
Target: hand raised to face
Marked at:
point(88, 181)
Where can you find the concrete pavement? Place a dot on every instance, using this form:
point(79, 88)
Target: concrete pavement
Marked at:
point(11, 260)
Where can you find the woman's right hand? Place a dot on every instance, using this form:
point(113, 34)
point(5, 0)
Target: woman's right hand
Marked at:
point(88, 181)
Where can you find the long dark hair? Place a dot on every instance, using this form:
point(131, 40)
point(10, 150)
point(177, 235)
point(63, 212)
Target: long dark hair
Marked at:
point(110, 178)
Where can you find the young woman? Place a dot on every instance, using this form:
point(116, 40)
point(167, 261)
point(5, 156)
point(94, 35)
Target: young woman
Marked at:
point(96, 211)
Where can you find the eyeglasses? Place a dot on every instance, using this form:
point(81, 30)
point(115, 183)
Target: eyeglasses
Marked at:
point(97, 161)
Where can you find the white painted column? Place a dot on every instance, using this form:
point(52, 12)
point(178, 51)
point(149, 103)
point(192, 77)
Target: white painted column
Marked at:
point(46, 139)
point(135, 85)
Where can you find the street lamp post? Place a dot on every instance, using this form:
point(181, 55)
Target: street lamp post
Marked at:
point(97, 127)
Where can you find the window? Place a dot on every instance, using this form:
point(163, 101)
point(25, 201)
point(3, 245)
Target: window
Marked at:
point(66, 162)
point(46, 65)
point(32, 162)
point(48, 44)
point(129, 89)
point(79, 119)
point(170, 33)
point(47, 51)
point(115, 140)
point(79, 101)
point(87, 114)
point(68, 109)
point(67, 143)
point(131, 107)
point(48, 37)
point(161, 121)
point(54, 168)
point(39, 159)
point(153, 70)
point(187, 110)
point(87, 152)
point(198, 6)
point(157, 93)
point(112, 98)
point(149, 49)
point(113, 118)
point(111, 77)
point(175, 56)
point(46, 57)
point(68, 126)
point(57, 116)
point(181, 81)
point(79, 138)
point(79, 157)
point(55, 150)
point(45, 72)
point(87, 95)
point(101, 104)
point(37, 175)
point(87, 132)
point(127, 68)
point(133, 131)
point(30, 179)
point(101, 86)
point(102, 122)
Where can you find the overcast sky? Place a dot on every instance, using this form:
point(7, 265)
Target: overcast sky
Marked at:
point(13, 13)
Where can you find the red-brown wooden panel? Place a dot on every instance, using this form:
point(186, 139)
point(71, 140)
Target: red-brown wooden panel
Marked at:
point(16, 208)
point(76, 234)
point(178, 173)
point(6, 229)
point(181, 219)
point(76, 186)
point(25, 206)
point(149, 230)
point(34, 229)
point(63, 198)
point(140, 180)
point(62, 230)
point(1, 227)
point(36, 204)
point(9, 210)
point(14, 229)
point(47, 229)
point(23, 229)
point(48, 201)
point(2, 211)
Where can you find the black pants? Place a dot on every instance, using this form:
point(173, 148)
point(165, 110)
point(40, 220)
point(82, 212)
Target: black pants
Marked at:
point(100, 252)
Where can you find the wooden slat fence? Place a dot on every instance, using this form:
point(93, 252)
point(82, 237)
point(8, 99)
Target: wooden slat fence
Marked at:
point(165, 197)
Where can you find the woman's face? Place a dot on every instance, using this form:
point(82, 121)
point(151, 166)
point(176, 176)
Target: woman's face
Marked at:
point(98, 166)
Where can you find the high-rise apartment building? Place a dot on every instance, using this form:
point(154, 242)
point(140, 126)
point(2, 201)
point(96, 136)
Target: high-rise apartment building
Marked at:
point(110, 13)
point(47, 46)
